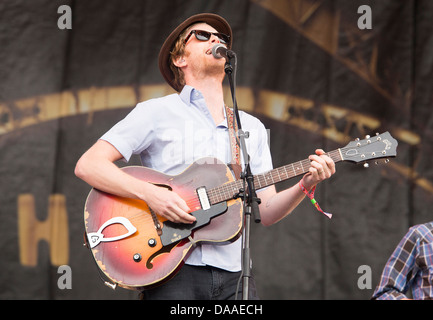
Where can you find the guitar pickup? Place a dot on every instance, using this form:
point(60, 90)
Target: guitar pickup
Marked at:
point(204, 199)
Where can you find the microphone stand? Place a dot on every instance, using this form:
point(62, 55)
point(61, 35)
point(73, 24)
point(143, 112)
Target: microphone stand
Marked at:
point(250, 200)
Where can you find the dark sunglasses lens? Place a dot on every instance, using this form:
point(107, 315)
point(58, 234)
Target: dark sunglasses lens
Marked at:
point(205, 36)
point(202, 35)
point(223, 38)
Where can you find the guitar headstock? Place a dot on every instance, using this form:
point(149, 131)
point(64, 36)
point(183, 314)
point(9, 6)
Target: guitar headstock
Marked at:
point(377, 147)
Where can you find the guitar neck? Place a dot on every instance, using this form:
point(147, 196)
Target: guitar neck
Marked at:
point(229, 190)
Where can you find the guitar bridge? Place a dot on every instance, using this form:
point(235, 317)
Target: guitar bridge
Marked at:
point(204, 199)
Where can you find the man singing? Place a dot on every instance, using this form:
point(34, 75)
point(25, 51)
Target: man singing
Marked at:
point(170, 133)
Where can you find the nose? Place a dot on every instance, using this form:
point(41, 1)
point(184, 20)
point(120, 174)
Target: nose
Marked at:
point(214, 39)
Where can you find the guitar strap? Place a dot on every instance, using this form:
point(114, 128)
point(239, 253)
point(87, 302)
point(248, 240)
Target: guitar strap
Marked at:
point(234, 143)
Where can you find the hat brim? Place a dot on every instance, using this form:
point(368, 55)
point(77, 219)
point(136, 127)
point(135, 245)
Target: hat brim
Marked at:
point(214, 20)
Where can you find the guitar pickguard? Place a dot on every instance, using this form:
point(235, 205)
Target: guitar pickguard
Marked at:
point(174, 232)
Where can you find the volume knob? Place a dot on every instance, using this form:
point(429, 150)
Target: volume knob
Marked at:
point(151, 242)
point(137, 257)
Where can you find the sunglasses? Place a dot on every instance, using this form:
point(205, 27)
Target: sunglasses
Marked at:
point(202, 35)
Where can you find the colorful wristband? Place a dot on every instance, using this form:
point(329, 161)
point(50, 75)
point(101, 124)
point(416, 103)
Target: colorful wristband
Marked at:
point(313, 201)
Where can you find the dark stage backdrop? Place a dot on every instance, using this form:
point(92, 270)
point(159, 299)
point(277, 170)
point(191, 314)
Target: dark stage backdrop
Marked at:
point(305, 69)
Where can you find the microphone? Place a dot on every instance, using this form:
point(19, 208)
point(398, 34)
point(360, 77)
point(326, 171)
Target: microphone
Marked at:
point(220, 51)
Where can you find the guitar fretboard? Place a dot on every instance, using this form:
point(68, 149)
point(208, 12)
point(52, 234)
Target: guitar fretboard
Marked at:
point(229, 190)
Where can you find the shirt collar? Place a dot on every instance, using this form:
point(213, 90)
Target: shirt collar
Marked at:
point(186, 95)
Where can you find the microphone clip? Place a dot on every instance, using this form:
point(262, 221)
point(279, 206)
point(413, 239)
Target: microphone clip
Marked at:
point(228, 68)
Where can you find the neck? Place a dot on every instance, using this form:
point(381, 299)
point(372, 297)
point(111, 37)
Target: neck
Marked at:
point(213, 94)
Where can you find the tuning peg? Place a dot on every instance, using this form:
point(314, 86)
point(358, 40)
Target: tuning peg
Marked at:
point(366, 165)
point(367, 137)
point(378, 162)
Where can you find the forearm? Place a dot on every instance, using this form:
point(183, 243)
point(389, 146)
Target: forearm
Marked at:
point(275, 206)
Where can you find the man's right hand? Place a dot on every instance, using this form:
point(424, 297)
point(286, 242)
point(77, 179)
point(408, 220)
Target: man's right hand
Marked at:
point(168, 204)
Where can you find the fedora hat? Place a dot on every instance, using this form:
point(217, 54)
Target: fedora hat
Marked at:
point(214, 20)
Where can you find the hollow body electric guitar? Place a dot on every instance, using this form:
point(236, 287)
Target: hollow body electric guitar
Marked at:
point(137, 249)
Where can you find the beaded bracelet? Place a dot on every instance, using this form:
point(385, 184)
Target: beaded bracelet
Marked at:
point(313, 201)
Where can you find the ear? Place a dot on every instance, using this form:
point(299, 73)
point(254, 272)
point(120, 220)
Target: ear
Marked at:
point(179, 62)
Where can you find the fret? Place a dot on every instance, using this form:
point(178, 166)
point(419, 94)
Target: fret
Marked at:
point(257, 182)
point(287, 174)
point(265, 179)
point(297, 170)
point(279, 177)
point(270, 174)
point(261, 183)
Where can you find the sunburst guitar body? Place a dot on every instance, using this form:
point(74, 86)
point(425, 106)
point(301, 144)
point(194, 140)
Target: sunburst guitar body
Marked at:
point(136, 248)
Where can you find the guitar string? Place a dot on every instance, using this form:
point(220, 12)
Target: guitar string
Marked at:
point(230, 189)
point(227, 191)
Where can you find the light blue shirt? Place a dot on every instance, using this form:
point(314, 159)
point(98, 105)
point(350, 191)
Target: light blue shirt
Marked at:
point(171, 132)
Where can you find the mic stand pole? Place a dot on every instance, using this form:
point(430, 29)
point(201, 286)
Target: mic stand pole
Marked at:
point(250, 200)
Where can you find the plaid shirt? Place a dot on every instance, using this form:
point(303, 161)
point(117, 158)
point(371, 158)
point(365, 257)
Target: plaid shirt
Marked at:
point(410, 266)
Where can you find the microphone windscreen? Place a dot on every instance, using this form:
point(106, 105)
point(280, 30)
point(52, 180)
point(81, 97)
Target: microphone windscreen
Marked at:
point(215, 52)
